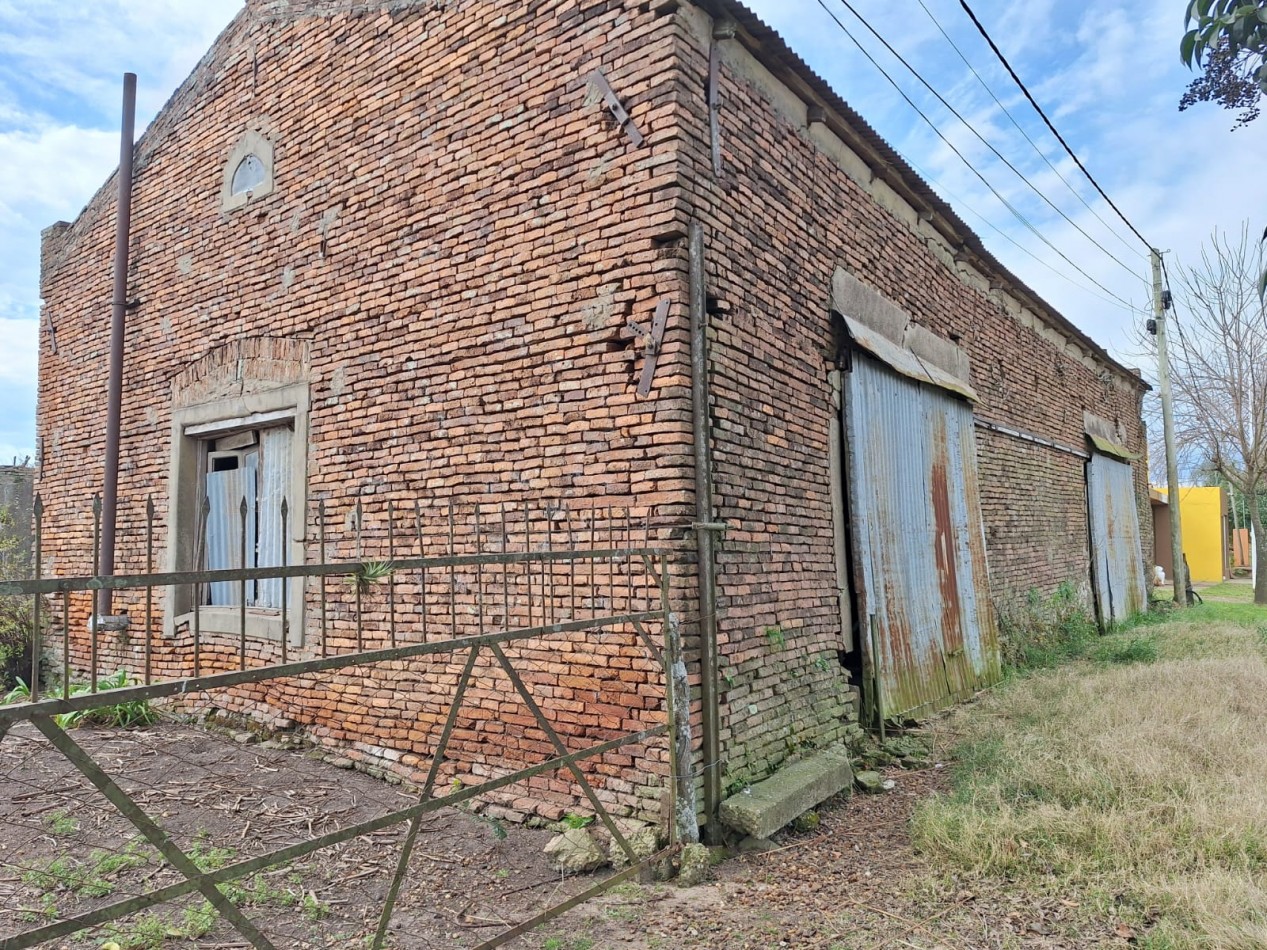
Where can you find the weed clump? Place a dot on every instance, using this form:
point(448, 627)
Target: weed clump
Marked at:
point(1039, 632)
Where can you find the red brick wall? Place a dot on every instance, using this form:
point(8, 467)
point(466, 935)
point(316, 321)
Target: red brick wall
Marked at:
point(457, 234)
point(780, 219)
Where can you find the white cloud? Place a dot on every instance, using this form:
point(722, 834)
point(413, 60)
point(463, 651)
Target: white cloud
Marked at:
point(61, 67)
point(19, 342)
point(1109, 75)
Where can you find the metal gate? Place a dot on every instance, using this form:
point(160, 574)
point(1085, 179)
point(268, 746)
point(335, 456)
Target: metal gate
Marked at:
point(481, 619)
point(1117, 560)
point(919, 549)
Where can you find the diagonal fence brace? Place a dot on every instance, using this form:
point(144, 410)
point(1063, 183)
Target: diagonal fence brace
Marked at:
point(562, 750)
point(302, 849)
point(156, 836)
point(407, 849)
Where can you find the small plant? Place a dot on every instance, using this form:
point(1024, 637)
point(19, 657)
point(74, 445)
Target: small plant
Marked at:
point(312, 908)
point(1135, 650)
point(577, 821)
point(112, 862)
point(146, 932)
point(60, 823)
point(47, 909)
point(494, 824)
point(776, 637)
point(68, 875)
point(206, 855)
point(125, 715)
point(20, 693)
point(371, 573)
point(1037, 632)
point(198, 920)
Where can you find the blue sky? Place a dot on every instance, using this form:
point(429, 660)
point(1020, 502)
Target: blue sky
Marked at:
point(1108, 73)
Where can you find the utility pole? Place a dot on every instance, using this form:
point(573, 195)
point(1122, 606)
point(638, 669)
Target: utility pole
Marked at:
point(1168, 429)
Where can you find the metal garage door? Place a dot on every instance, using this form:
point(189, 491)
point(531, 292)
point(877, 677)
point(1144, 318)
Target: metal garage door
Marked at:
point(919, 549)
point(1117, 559)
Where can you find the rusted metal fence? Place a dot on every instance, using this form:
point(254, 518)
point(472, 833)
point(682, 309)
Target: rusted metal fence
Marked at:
point(505, 589)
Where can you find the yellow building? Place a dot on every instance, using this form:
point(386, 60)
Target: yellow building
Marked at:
point(1204, 513)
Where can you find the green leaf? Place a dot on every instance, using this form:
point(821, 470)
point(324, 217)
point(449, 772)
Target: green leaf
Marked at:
point(1186, 47)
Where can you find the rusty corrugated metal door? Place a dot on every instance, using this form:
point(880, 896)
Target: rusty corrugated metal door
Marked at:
point(919, 549)
point(1117, 556)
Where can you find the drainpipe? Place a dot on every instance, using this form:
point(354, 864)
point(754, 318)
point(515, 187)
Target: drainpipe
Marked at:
point(118, 316)
point(704, 528)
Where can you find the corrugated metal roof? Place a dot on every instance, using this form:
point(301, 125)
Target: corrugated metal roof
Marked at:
point(773, 51)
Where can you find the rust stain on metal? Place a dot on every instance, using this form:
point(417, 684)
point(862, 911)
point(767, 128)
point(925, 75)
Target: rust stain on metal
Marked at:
point(918, 540)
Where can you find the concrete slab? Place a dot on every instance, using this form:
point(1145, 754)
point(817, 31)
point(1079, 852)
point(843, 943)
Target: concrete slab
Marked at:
point(767, 806)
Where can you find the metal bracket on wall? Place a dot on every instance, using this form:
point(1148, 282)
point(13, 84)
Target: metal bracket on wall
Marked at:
point(52, 332)
point(651, 342)
point(614, 106)
point(722, 31)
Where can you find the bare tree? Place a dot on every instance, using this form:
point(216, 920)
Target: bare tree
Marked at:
point(1219, 371)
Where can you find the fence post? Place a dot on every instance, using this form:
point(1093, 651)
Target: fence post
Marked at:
point(678, 701)
point(37, 646)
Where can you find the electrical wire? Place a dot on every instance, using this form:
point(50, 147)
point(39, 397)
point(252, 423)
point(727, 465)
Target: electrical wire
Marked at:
point(1039, 109)
point(1007, 112)
point(971, 128)
point(1007, 204)
point(1018, 245)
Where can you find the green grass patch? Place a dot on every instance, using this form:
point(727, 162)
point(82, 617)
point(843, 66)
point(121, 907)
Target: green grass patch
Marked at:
point(1132, 777)
point(1239, 591)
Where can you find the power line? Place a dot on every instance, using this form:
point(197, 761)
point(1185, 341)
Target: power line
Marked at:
point(1019, 246)
point(1039, 109)
point(1020, 217)
point(1020, 128)
point(969, 126)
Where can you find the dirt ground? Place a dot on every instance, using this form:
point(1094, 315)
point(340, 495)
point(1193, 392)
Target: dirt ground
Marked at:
point(64, 850)
point(853, 882)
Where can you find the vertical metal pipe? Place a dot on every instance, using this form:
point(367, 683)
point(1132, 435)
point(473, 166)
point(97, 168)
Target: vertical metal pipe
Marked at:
point(571, 567)
point(547, 580)
point(205, 514)
point(453, 579)
point(479, 570)
point(118, 316)
point(527, 563)
point(706, 564)
point(359, 582)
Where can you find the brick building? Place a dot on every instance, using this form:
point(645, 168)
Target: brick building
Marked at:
point(390, 250)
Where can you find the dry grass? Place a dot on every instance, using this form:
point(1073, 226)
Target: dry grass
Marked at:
point(1138, 785)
